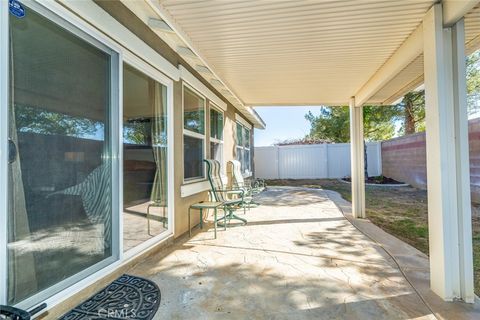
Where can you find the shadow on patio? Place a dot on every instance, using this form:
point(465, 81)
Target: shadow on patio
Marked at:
point(297, 258)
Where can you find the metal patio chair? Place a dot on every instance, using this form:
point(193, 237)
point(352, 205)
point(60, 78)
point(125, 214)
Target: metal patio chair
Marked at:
point(251, 187)
point(232, 199)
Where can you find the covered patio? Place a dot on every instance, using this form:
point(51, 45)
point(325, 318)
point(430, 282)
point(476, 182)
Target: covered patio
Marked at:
point(204, 66)
point(351, 53)
point(299, 257)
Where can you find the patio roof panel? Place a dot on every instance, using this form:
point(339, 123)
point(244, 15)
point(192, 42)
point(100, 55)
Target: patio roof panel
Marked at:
point(296, 52)
point(304, 52)
point(408, 79)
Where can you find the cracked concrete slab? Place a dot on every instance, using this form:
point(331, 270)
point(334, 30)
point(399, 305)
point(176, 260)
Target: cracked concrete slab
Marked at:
point(297, 258)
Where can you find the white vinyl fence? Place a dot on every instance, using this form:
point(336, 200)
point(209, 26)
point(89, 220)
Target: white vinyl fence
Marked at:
point(319, 161)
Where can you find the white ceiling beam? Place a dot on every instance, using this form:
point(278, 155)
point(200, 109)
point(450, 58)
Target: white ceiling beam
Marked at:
point(400, 93)
point(473, 45)
point(454, 10)
point(405, 54)
point(300, 104)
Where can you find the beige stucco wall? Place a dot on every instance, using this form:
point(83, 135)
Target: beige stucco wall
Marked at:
point(229, 134)
point(181, 204)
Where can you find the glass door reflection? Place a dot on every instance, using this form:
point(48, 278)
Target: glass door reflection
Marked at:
point(145, 190)
point(59, 173)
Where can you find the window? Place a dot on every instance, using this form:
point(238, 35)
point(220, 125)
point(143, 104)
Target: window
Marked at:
point(243, 148)
point(145, 175)
point(193, 135)
point(60, 223)
point(216, 134)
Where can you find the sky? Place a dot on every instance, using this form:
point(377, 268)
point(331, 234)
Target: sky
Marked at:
point(282, 123)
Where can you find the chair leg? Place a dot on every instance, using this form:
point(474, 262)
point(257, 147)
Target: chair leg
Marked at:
point(215, 222)
point(225, 218)
point(148, 219)
point(233, 216)
point(189, 224)
point(229, 216)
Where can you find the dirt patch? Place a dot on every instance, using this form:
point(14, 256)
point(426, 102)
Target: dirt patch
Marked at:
point(401, 211)
point(377, 180)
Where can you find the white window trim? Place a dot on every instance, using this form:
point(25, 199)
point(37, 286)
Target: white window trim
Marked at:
point(190, 189)
point(248, 173)
point(188, 77)
point(147, 69)
point(216, 140)
point(213, 106)
point(193, 134)
point(242, 121)
point(222, 112)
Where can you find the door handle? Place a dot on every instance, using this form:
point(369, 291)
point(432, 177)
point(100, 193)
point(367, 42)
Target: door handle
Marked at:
point(12, 151)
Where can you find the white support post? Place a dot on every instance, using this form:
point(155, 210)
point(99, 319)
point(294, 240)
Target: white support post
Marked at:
point(357, 160)
point(449, 208)
point(463, 162)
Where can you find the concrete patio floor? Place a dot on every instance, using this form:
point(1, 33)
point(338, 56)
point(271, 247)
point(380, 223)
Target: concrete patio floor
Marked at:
point(297, 258)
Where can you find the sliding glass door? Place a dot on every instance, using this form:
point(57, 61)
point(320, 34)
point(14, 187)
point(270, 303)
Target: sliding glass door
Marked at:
point(62, 134)
point(145, 153)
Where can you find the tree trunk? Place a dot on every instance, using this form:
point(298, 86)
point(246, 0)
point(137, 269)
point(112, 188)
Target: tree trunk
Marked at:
point(366, 161)
point(409, 120)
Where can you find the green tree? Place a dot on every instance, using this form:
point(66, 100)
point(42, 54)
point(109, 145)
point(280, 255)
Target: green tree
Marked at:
point(137, 131)
point(333, 123)
point(473, 72)
point(38, 120)
point(413, 109)
point(473, 82)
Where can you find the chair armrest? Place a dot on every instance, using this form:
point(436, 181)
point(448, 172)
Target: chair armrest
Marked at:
point(235, 192)
point(229, 192)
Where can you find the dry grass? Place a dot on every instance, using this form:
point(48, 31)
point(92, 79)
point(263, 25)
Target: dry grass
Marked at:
point(401, 212)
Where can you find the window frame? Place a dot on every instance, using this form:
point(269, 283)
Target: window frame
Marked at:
point(141, 66)
point(243, 147)
point(192, 134)
point(214, 107)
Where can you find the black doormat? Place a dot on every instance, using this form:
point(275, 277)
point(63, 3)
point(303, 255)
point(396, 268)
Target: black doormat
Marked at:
point(128, 297)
